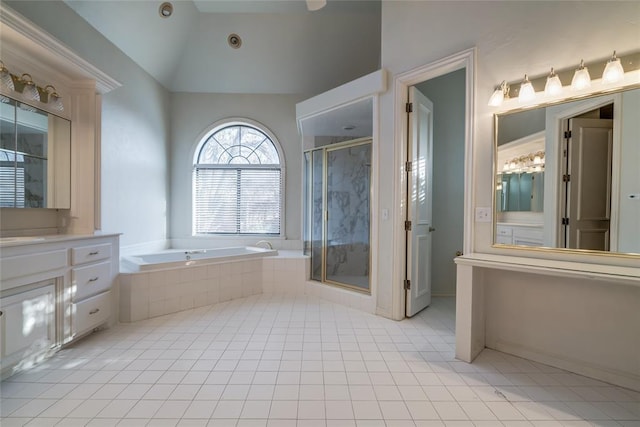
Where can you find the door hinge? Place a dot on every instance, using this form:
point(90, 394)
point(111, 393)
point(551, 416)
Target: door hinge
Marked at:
point(407, 284)
point(407, 226)
point(566, 178)
point(567, 134)
point(565, 221)
point(409, 107)
point(407, 166)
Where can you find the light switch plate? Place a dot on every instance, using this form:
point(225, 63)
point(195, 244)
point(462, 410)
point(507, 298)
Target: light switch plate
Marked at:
point(483, 214)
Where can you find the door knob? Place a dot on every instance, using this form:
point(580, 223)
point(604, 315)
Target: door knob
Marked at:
point(431, 229)
point(459, 253)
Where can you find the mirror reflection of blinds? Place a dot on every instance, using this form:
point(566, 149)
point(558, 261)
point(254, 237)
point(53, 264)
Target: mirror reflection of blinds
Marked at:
point(11, 187)
point(237, 201)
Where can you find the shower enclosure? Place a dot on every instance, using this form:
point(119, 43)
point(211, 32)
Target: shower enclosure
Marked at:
point(337, 200)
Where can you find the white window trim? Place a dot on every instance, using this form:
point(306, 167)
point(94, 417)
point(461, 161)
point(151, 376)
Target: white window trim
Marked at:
point(201, 140)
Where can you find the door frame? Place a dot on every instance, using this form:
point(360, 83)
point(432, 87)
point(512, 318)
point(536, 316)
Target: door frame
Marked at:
point(402, 82)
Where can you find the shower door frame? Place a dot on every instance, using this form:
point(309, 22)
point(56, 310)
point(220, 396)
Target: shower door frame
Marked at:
point(324, 149)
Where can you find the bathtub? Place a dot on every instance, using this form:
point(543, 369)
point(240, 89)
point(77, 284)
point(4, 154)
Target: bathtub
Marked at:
point(185, 257)
point(156, 284)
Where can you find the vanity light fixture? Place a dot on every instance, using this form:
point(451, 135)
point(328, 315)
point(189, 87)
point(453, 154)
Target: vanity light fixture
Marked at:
point(54, 99)
point(5, 78)
point(499, 94)
point(527, 93)
point(581, 78)
point(29, 89)
point(313, 5)
point(613, 72)
point(553, 85)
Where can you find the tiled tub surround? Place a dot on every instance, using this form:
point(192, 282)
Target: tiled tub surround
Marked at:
point(148, 294)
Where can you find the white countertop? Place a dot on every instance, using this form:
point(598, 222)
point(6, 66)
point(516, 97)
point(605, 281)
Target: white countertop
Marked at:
point(34, 240)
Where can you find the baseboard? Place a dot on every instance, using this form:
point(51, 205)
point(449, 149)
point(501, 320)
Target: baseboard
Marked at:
point(608, 375)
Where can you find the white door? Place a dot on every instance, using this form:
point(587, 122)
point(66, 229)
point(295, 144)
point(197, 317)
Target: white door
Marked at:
point(588, 211)
point(419, 195)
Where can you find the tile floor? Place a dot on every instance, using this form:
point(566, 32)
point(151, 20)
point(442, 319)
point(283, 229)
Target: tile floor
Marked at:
point(298, 361)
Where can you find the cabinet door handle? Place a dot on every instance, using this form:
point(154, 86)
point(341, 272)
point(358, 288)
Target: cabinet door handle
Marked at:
point(94, 253)
point(94, 279)
point(94, 311)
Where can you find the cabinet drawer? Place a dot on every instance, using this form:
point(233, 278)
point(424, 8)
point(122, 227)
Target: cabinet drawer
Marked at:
point(84, 254)
point(91, 280)
point(504, 231)
point(504, 240)
point(91, 312)
point(26, 265)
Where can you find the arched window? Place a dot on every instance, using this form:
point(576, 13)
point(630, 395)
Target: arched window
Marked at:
point(238, 182)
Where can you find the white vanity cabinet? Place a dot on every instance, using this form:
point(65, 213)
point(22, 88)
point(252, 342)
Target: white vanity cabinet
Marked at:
point(27, 325)
point(54, 289)
point(91, 277)
point(519, 234)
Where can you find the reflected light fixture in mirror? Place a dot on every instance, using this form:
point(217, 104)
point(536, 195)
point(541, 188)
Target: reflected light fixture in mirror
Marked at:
point(581, 78)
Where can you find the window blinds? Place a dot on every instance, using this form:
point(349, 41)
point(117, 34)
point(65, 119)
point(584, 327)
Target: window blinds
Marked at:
point(237, 200)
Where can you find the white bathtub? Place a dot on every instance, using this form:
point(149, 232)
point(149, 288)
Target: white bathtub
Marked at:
point(185, 257)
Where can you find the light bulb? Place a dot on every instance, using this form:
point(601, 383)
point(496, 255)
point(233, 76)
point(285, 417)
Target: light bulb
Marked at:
point(537, 160)
point(499, 94)
point(527, 93)
point(581, 78)
point(496, 98)
point(5, 78)
point(613, 72)
point(55, 100)
point(30, 91)
point(553, 85)
point(313, 5)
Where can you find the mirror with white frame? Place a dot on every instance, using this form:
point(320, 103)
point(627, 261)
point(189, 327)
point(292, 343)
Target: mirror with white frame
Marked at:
point(567, 175)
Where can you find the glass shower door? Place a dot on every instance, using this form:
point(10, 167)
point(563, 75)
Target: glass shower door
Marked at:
point(317, 210)
point(348, 194)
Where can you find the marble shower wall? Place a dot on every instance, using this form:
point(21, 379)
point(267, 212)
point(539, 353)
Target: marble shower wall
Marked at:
point(348, 204)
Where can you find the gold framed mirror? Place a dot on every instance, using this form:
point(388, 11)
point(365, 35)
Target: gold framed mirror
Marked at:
point(566, 175)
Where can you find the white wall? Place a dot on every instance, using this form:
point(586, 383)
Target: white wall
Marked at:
point(447, 94)
point(193, 114)
point(511, 38)
point(564, 322)
point(135, 127)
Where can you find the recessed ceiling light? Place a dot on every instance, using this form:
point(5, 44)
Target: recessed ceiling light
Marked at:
point(234, 41)
point(166, 9)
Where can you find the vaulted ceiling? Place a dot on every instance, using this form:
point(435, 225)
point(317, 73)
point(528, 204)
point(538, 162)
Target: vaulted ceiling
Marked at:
point(285, 48)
